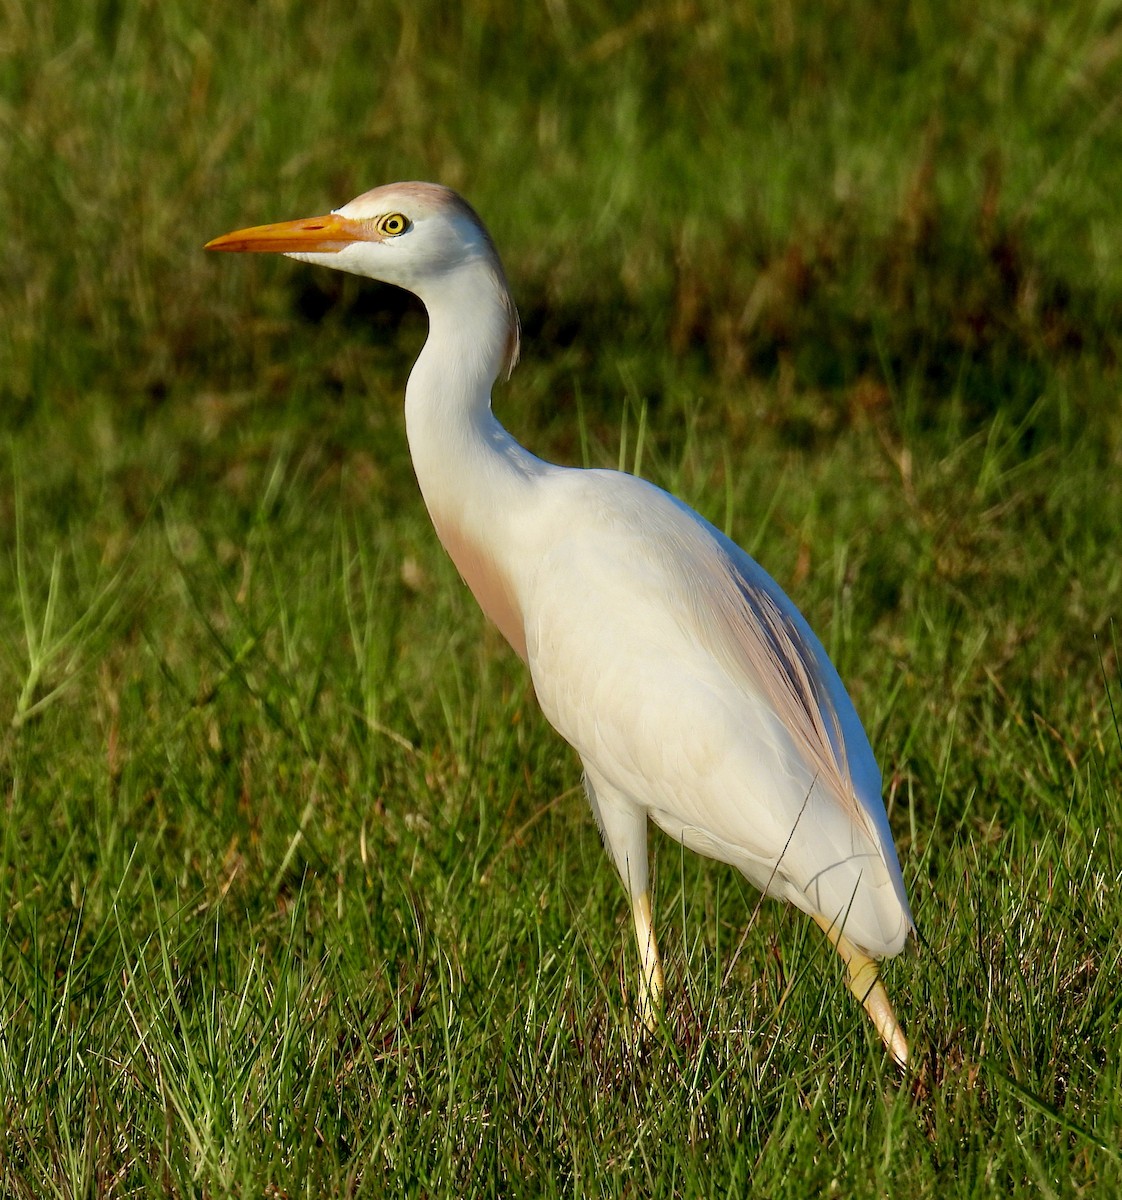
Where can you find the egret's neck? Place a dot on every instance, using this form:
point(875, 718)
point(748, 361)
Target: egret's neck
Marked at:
point(472, 330)
point(459, 449)
point(475, 478)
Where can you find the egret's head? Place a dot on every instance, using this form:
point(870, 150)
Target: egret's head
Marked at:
point(419, 236)
point(409, 234)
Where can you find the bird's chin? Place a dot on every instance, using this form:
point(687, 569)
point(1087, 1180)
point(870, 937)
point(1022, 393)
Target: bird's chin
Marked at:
point(322, 258)
point(355, 258)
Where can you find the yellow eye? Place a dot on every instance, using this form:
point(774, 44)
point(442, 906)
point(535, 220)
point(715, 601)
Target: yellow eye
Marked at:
point(392, 224)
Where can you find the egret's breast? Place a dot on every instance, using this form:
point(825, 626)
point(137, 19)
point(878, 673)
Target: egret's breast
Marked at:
point(490, 584)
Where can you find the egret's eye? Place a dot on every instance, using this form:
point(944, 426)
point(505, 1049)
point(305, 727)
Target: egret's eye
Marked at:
point(393, 224)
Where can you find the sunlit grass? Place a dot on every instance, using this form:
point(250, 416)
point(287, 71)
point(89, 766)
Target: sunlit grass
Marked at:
point(300, 896)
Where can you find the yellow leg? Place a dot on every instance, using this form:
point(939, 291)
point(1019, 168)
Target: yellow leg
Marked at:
point(864, 982)
point(650, 970)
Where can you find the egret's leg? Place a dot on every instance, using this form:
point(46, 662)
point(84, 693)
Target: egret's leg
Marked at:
point(623, 826)
point(864, 982)
point(650, 968)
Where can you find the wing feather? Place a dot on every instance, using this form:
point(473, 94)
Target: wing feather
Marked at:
point(751, 628)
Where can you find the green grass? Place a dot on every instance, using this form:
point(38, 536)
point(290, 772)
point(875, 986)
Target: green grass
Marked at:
point(300, 896)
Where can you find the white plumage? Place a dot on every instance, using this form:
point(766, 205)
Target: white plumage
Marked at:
point(691, 687)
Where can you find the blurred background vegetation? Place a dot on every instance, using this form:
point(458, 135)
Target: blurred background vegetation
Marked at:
point(914, 196)
point(848, 277)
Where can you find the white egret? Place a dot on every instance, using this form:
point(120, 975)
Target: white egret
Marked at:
point(691, 687)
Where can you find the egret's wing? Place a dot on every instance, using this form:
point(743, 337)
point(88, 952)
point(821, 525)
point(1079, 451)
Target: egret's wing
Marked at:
point(764, 643)
point(670, 659)
point(631, 564)
point(769, 645)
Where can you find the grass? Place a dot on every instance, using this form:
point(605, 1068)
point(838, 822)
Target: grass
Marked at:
point(299, 893)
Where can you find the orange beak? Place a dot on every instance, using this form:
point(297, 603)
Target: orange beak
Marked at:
point(320, 235)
